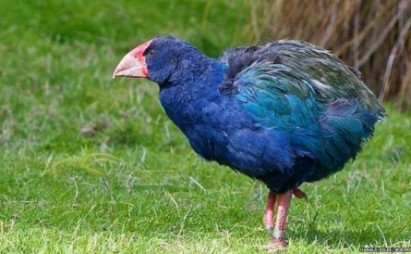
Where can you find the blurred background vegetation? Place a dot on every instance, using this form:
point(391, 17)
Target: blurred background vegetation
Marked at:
point(372, 36)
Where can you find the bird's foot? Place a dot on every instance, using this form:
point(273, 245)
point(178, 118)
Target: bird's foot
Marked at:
point(299, 193)
point(277, 244)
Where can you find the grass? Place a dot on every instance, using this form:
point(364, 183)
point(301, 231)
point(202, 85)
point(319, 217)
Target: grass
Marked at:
point(92, 165)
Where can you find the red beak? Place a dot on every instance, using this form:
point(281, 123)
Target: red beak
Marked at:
point(133, 63)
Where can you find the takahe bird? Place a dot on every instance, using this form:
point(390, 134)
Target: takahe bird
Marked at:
point(285, 113)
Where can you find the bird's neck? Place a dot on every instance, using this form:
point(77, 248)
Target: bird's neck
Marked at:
point(185, 97)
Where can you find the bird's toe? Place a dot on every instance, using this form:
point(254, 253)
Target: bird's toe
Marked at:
point(277, 244)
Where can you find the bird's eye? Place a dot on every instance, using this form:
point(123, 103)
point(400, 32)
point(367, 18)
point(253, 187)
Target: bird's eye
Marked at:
point(151, 52)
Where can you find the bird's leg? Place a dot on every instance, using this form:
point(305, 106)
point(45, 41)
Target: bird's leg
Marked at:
point(269, 211)
point(299, 193)
point(279, 240)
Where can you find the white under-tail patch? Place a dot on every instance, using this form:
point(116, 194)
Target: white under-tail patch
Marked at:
point(320, 85)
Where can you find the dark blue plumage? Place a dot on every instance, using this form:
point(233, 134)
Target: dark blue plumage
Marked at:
point(285, 113)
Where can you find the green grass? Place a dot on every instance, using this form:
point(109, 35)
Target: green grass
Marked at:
point(92, 165)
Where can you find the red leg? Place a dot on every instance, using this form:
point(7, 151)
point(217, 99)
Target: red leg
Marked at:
point(299, 193)
point(279, 240)
point(269, 211)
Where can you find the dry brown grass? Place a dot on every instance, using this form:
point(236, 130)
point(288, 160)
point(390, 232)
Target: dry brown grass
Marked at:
point(373, 36)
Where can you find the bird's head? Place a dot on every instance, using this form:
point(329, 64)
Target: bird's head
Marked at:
point(159, 59)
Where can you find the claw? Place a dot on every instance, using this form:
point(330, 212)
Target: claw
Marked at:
point(278, 244)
